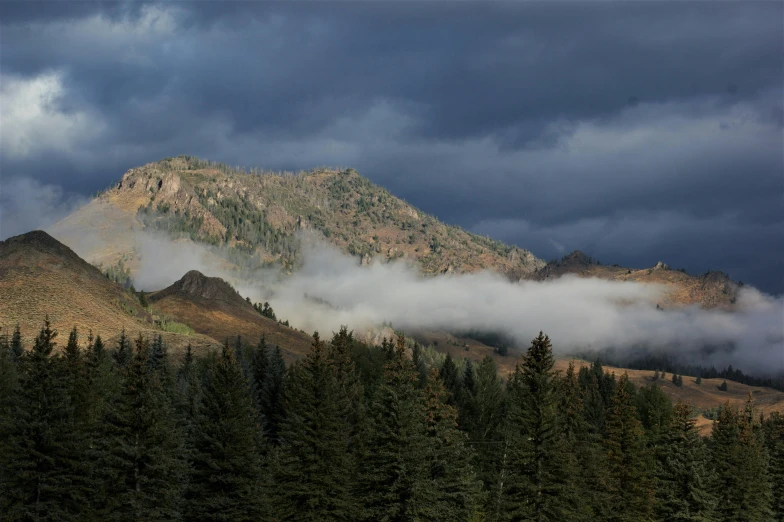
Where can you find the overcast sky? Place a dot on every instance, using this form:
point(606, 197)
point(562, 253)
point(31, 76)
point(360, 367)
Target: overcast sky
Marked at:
point(634, 131)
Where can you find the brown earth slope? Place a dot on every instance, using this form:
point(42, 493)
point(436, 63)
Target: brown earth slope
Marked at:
point(40, 276)
point(212, 307)
point(713, 289)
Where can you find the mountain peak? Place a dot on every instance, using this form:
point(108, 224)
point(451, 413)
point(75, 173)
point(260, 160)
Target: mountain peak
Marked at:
point(194, 284)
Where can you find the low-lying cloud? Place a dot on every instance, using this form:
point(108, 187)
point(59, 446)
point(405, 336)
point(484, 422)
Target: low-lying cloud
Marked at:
point(579, 314)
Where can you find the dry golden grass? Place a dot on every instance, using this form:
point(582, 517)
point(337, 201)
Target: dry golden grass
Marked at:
point(222, 324)
point(41, 277)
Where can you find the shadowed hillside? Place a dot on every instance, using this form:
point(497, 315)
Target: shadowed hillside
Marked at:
point(40, 276)
point(213, 308)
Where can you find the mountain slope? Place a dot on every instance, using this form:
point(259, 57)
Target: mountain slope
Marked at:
point(213, 308)
point(259, 215)
point(713, 289)
point(256, 217)
point(40, 276)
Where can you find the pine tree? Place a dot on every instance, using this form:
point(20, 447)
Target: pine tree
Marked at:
point(630, 484)
point(122, 354)
point(684, 480)
point(774, 440)
point(741, 463)
point(585, 449)
point(16, 343)
point(141, 453)
point(451, 378)
point(655, 411)
point(455, 486)
point(9, 388)
point(486, 435)
point(43, 451)
point(541, 486)
point(699, 380)
point(227, 467)
point(466, 398)
point(271, 395)
point(316, 475)
point(395, 473)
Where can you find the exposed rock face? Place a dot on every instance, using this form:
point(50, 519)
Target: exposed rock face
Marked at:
point(661, 266)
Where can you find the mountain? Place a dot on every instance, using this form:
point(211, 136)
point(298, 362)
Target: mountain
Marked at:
point(257, 216)
point(712, 289)
point(213, 308)
point(40, 276)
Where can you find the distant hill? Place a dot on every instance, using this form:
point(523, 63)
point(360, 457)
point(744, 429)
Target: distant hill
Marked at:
point(40, 276)
point(712, 289)
point(213, 308)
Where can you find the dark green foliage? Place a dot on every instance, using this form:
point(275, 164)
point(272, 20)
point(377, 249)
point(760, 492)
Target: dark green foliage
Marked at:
point(140, 457)
point(316, 475)
point(226, 473)
point(628, 460)
point(684, 480)
point(450, 376)
point(43, 472)
point(358, 432)
point(454, 490)
point(122, 354)
point(541, 468)
point(740, 460)
point(774, 442)
point(655, 411)
point(394, 470)
point(723, 386)
point(699, 380)
point(16, 342)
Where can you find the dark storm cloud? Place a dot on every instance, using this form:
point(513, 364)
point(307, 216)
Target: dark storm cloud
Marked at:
point(543, 117)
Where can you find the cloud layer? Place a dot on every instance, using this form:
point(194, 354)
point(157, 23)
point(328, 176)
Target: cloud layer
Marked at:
point(580, 315)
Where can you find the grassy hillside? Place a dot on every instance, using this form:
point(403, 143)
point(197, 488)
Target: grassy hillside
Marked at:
point(212, 307)
point(40, 276)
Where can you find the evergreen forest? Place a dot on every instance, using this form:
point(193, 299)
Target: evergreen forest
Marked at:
point(124, 431)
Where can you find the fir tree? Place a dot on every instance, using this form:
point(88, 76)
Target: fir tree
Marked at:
point(9, 387)
point(741, 465)
point(684, 480)
point(227, 468)
point(655, 411)
point(43, 450)
point(395, 473)
point(451, 378)
point(141, 454)
point(541, 486)
point(315, 477)
point(466, 398)
point(455, 486)
point(122, 354)
point(16, 343)
point(271, 395)
point(630, 484)
point(486, 434)
point(774, 439)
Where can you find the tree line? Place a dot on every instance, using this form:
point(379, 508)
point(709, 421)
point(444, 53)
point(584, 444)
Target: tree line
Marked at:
point(359, 432)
